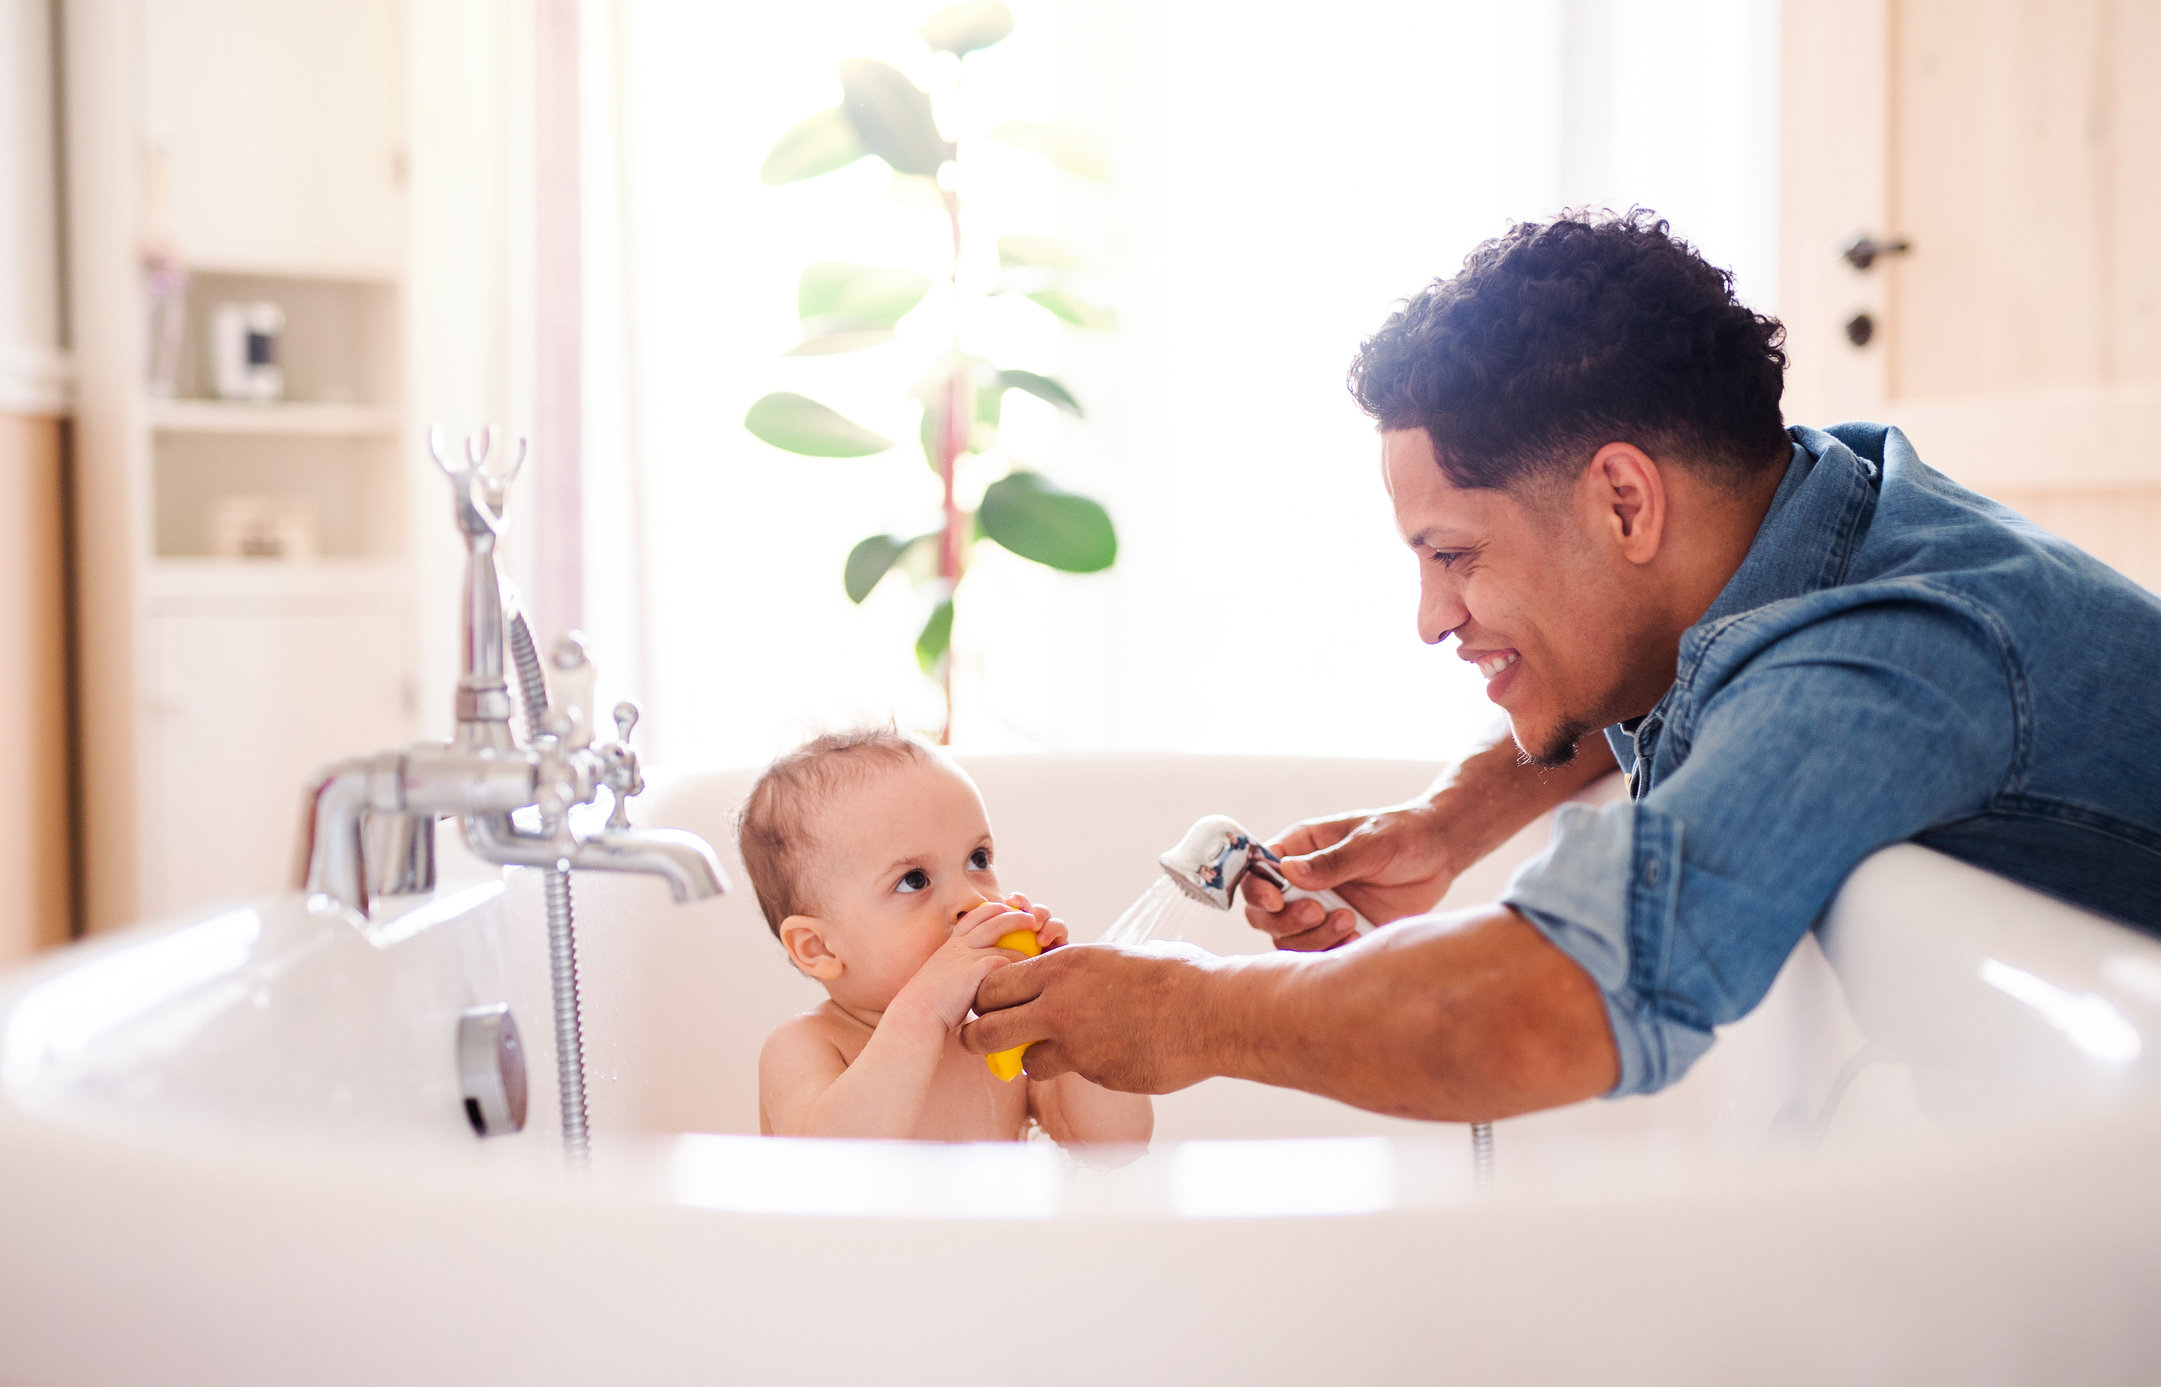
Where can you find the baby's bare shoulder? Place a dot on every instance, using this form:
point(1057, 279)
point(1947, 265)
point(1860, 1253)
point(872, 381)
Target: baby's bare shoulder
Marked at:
point(813, 1039)
point(801, 1058)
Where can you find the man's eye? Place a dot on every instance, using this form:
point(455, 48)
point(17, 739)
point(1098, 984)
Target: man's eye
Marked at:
point(1446, 558)
point(979, 860)
point(916, 880)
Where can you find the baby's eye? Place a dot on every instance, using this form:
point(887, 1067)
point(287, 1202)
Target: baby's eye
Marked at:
point(979, 860)
point(916, 880)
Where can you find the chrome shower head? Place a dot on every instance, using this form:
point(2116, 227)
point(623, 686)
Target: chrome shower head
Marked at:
point(1214, 856)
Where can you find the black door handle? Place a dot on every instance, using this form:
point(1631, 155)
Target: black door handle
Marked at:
point(1862, 250)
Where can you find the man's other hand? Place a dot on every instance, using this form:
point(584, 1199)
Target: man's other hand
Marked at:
point(1388, 863)
point(1119, 1017)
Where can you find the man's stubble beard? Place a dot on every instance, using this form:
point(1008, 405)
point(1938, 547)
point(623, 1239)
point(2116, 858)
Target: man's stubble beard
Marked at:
point(1557, 750)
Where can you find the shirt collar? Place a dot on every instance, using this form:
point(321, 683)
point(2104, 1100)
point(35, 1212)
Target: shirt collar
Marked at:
point(1807, 538)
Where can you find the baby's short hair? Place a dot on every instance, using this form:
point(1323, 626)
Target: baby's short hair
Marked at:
point(774, 828)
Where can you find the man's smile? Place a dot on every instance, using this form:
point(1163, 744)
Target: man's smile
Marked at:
point(1490, 665)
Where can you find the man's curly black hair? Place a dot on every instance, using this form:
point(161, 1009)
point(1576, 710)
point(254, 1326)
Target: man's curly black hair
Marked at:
point(1560, 337)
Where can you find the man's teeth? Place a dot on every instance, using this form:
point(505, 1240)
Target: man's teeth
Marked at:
point(1494, 664)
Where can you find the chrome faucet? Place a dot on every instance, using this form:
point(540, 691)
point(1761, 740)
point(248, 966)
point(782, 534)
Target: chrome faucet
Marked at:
point(369, 828)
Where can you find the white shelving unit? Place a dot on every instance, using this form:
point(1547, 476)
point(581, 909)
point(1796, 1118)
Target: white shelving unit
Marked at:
point(262, 146)
point(278, 420)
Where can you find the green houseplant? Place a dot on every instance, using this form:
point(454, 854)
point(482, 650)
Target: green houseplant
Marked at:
point(848, 307)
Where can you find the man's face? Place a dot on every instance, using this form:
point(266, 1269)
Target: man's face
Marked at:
point(1531, 590)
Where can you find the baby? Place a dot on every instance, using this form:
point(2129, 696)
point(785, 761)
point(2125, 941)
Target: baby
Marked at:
point(872, 859)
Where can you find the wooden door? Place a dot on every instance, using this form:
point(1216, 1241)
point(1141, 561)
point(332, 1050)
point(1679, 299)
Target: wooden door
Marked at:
point(2014, 147)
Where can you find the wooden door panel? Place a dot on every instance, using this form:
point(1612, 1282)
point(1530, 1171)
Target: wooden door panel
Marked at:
point(2016, 144)
point(2136, 189)
point(2123, 527)
point(2005, 139)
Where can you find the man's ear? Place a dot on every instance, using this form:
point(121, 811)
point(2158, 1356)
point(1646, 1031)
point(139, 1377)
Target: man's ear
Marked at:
point(803, 936)
point(1629, 488)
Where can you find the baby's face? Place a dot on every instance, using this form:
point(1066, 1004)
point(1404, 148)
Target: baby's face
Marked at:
point(903, 856)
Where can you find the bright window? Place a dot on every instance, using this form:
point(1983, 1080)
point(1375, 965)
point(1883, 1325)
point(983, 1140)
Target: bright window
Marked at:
point(1282, 175)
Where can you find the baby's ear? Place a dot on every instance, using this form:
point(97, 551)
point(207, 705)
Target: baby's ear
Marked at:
point(803, 936)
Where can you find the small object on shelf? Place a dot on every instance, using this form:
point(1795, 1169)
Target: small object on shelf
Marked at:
point(165, 292)
point(244, 350)
point(262, 527)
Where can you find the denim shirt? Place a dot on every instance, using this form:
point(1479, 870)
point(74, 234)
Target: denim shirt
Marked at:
point(1895, 659)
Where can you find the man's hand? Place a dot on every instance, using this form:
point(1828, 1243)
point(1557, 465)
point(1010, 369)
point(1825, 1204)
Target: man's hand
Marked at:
point(1119, 1017)
point(1393, 863)
point(1388, 863)
point(942, 988)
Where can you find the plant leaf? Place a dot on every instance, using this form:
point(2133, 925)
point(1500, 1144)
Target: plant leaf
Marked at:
point(1043, 388)
point(825, 142)
point(1075, 309)
point(848, 307)
point(1064, 146)
point(1036, 251)
point(918, 563)
point(931, 434)
point(825, 336)
point(892, 114)
point(930, 647)
point(802, 425)
point(875, 292)
point(967, 27)
point(1036, 520)
point(868, 562)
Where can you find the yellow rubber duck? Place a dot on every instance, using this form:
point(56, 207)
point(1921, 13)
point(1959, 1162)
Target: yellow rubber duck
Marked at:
point(1006, 1064)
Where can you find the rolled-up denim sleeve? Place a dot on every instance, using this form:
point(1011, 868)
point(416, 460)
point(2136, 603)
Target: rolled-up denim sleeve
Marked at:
point(1806, 756)
point(1600, 874)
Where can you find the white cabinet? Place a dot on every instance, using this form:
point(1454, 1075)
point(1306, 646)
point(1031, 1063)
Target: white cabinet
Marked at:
point(257, 149)
point(246, 697)
point(276, 128)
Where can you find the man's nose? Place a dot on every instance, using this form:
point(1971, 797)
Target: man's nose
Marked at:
point(1440, 610)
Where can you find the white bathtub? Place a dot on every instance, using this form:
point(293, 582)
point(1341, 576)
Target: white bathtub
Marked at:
point(232, 1151)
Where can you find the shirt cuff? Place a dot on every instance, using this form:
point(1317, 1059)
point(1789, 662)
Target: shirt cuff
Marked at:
point(1598, 888)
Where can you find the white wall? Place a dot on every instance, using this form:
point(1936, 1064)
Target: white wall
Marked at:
point(33, 370)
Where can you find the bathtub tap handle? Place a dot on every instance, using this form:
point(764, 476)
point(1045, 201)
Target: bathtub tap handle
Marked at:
point(571, 692)
point(622, 775)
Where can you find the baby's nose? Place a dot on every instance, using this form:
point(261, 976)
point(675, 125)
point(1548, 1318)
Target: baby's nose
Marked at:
point(962, 913)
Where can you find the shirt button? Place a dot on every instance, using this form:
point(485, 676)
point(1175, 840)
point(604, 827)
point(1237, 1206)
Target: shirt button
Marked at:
point(1650, 872)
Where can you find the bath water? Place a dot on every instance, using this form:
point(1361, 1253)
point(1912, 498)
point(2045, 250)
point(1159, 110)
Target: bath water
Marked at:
point(1161, 912)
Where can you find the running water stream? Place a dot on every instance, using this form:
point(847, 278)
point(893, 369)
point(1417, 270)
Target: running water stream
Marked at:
point(1160, 912)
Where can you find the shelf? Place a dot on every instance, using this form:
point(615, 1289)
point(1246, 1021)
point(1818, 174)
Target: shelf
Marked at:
point(191, 578)
point(288, 420)
point(328, 271)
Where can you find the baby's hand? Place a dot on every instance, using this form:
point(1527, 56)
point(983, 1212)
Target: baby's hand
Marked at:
point(943, 989)
point(1050, 932)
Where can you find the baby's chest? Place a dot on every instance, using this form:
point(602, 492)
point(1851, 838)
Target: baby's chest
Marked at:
point(969, 1103)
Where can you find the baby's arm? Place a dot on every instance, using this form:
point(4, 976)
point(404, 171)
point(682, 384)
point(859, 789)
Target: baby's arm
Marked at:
point(1069, 1108)
point(806, 1089)
point(1073, 1111)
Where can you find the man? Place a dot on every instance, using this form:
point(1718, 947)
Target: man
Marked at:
point(1802, 647)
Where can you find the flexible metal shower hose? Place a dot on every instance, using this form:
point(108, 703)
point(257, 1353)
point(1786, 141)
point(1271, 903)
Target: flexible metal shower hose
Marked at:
point(1482, 1154)
point(562, 935)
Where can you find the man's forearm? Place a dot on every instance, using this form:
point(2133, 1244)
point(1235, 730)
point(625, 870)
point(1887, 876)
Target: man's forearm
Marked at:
point(1486, 798)
point(1463, 1018)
